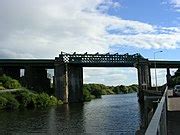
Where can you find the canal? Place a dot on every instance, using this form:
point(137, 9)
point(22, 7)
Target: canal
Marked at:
point(112, 114)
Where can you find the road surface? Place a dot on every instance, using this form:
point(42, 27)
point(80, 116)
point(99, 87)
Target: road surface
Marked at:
point(173, 114)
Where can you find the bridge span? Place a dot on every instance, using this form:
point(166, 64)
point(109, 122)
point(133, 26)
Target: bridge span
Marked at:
point(68, 71)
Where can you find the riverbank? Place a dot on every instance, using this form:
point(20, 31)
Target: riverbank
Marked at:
point(91, 91)
point(23, 98)
point(26, 99)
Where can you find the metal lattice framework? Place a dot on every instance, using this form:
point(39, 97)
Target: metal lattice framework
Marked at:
point(97, 58)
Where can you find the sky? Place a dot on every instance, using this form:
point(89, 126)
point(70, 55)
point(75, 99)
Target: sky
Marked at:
point(44, 28)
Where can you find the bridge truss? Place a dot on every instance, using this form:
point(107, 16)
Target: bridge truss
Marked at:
point(98, 58)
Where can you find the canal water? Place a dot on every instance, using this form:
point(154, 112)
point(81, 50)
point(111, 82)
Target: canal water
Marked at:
point(112, 114)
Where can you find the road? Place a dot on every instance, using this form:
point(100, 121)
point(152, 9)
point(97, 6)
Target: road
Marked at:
point(173, 114)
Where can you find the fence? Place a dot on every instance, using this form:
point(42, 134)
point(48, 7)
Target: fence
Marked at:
point(158, 123)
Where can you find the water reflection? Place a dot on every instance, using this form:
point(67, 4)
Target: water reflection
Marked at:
point(70, 118)
point(113, 114)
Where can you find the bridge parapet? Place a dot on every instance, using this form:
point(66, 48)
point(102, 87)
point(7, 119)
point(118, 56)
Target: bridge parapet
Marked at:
point(98, 58)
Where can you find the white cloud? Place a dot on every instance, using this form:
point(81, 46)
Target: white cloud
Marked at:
point(44, 28)
point(110, 76)
point(176, 3)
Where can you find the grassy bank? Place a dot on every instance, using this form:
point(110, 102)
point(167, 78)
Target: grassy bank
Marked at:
point(23, 98)
point(29, 99)
point(91, 91)
point(26, 99)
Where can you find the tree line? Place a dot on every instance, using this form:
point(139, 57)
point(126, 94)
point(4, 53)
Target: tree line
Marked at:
point(93, 90)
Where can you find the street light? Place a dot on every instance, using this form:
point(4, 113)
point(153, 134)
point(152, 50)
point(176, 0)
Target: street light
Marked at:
point(155, 73)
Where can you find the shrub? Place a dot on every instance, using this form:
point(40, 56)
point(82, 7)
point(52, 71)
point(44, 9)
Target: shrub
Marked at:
point(4, 78)
point(2, 88)
point(32, 100)
point(25, 98)
point(12, 84)
point(3, 102)
point(11, 103)
point(9, 83)
point(86, 95)
point(42, 100)
point(55, 101)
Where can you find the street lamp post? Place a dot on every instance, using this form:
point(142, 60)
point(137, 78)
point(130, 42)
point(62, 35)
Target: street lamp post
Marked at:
point(155, 73)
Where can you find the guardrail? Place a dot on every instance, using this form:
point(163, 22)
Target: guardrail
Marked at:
point(158, 123)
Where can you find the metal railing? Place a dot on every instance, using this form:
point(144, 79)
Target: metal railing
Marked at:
point(98, 58)
point(158, 123)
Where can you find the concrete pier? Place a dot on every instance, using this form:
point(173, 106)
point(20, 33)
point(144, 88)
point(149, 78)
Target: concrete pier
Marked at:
point(69, 83)
point(61, 82)
point(75, 79)
point(144, 77)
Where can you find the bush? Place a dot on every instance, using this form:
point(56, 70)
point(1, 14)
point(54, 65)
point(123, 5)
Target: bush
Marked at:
point(26, 98)
point(11, 103)
point(12, 84)
point(3, 102)
point(31, 100)
point(42, 100)
point(55, 101)
point(2, 88)
point(86, 95)
point(9, 83)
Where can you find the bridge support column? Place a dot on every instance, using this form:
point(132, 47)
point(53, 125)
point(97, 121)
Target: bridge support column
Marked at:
point(13, 72)
point(35, 78)
point(75, 84)
point(168, 77)
point(143, 79)
point(61, 82)
point(69, 83)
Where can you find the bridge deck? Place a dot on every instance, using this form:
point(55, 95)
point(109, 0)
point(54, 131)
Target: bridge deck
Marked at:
point(49, 63)
point(173, 114)
point(164, 64)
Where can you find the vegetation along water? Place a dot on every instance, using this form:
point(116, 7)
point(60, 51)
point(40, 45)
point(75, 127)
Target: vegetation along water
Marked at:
point(33, 112)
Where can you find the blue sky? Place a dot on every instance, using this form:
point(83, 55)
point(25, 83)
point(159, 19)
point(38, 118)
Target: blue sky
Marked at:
point(44, 28)
point(160, 13)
